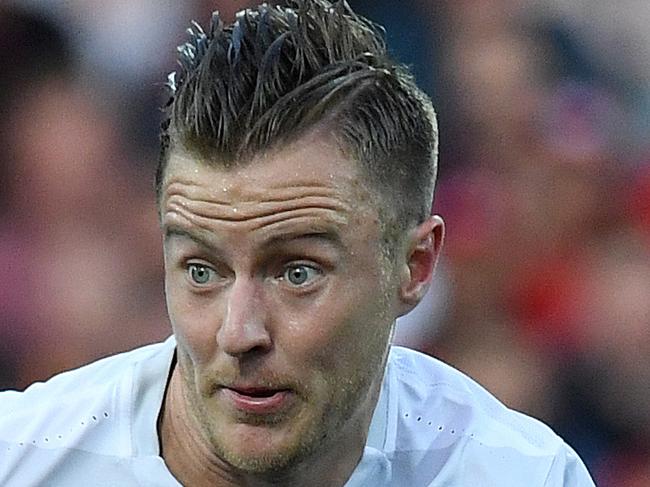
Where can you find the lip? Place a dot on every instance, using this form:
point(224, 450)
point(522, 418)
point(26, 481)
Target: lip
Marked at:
point(257, 400)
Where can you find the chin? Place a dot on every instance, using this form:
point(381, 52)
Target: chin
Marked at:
point(270, 448)
point(265, 459)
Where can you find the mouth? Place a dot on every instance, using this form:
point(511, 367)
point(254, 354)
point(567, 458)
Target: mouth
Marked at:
point(257, 400)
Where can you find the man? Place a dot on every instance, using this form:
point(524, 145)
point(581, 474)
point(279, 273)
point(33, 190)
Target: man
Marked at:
point(294, 187)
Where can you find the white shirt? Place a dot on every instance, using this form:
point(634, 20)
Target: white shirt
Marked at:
point(432, 427)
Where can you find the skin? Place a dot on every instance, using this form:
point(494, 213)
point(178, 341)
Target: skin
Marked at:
point(275, 280)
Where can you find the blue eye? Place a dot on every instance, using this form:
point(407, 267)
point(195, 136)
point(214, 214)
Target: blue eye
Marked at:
point(300, 274)
point(200, 274)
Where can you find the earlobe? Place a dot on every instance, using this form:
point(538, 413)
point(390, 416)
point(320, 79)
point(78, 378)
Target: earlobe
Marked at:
point(421, 256)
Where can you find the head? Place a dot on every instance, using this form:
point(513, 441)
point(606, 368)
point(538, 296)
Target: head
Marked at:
point(295, 186)
point(276, 73)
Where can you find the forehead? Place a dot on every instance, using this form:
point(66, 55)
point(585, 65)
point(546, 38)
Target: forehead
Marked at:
point(314, 163)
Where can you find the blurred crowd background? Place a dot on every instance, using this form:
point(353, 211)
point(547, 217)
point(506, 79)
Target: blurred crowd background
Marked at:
point(543, 292)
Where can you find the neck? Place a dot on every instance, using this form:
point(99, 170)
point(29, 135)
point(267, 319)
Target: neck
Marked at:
point(190, 459)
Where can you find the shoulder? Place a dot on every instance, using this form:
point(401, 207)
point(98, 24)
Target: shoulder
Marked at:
point(75, 386)
point(86, 411)
point(444, 420)
point(432, 391)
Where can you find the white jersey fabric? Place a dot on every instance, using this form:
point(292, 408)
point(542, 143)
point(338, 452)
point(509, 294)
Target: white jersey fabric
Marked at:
point(433, 426)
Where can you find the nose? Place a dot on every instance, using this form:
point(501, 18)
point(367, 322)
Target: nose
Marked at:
point(244, 326)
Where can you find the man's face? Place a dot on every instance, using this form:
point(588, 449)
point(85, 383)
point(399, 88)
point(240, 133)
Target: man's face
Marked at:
point(280, 300)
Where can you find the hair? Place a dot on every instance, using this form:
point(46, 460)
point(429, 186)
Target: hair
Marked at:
point(276, 72)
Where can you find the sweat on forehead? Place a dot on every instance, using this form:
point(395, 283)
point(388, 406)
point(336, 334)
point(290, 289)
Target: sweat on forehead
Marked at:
point(313, 165)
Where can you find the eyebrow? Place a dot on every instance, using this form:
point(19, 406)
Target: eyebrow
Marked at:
point(320, 235)
point(324, 235)
point(177, 231)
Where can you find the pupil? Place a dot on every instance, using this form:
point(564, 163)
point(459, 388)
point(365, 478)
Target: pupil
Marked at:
point(200, 274)
point(298, 276)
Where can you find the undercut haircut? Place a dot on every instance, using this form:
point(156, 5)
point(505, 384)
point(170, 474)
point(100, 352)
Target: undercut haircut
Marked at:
point(278, 71)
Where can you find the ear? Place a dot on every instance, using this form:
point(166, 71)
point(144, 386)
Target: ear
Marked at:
point(422, 252)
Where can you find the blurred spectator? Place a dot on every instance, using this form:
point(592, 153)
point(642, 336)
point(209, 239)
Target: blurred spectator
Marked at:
point(83, 274)
point(26, 60)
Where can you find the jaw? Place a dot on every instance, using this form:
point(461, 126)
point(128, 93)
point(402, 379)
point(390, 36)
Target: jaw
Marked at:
point(328, 454)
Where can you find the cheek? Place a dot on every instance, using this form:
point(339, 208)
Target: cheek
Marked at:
point(347, 328)
point(192, 322)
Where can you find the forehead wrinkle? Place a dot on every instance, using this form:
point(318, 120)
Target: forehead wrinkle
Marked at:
point(229, 193)
point(278, 233)
point(253, 210)
point(256, 203)
point(187, 224)
point(316, 216)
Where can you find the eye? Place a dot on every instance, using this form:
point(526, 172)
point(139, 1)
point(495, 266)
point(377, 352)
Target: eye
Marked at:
point(300, 274)
point(200, 274)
